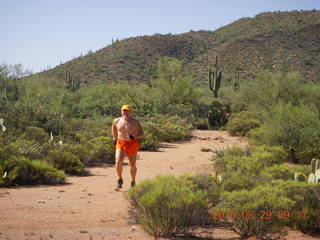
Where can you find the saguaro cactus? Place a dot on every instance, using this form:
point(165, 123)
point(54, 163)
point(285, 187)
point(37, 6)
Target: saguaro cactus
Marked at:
point(236, 82)
point(73, 82)
point(214, 78)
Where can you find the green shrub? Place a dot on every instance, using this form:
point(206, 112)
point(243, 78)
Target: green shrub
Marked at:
point(173, 128)
point(65, 161)
point(302, 169)
point(217, 153)
point(201, 124)
point(22, 171)
point(230, 154)
point(243, 178)
point(278, 171)
point(30, 149)
point(242, 123)
point(7, 151)
point(167, 206)
point(160, 128)
point(296, 129)
point(255, 212)
point(73, 128)
point(235, 157)
point(35, 134)
point(268, 155)
point(267, 90)
point(207, 183)
point(30, 113)
point(241, 169)
point(150, 141)
point(2, 172)
point(79, 150)
point(218, 114)
point(306, 209)
point(101, 150)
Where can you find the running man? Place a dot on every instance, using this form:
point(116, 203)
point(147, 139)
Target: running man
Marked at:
point(126, 131)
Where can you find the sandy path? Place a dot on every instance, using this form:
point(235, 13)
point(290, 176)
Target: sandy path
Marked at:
point(89, 208)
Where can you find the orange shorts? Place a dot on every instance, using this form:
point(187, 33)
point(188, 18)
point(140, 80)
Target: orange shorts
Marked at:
point(128, 146)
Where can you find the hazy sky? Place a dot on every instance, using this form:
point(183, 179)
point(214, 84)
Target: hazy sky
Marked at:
point(41, 33)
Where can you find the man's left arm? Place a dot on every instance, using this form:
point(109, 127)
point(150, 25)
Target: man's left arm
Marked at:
point(140, 133)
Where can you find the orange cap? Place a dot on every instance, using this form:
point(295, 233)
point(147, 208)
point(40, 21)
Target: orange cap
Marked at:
point(126, 107)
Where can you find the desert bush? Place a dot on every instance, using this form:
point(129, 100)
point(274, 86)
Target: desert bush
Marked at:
point(296, 129)
point(254, 212)
point(101, 150)
point(208, 183)
point(150, 141)
point(231, 154)
point(304, 169)
point(172, 128)
point(2, 174)
point(160, 128)
point(35, 134)
point(267, 90)
point(65, 161)
point(217, 153)
point(27, 113)
point(268, 155)
point(73, 129)
point(22, 171)
point(241, 169)
point(305, 215)
point(262, 155)
point(79, 150)
point(168, 206)
point(218, 114)
point(242, 123)
point(201, 124)
point(278, 171)
point(7, 151)
point(30, 149)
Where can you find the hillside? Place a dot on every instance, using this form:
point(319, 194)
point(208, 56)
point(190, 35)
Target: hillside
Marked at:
point(274, 41)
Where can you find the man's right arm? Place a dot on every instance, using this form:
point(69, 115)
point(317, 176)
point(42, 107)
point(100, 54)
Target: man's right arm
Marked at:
point(114, 129)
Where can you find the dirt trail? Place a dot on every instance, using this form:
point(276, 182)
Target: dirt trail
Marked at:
point(89, 208)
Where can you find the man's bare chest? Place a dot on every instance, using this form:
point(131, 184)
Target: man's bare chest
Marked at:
point(125, 126)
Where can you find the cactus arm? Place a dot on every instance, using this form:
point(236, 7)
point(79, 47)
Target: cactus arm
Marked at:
point(313, 165)
point(210, 77)
point(317, 175)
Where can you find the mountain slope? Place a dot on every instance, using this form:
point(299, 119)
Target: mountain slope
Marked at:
point(274, 41)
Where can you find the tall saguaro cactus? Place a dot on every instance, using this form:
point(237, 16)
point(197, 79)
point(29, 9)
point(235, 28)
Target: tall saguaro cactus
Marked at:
point(214, 78)
point(236, 82)
point(73, 82)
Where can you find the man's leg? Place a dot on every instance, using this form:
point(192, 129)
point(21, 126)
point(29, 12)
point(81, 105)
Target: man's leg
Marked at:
point(133, 169)
point(120, 155)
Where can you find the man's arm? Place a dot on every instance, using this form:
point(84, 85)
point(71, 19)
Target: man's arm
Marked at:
point(114, 129)
point(140, 133)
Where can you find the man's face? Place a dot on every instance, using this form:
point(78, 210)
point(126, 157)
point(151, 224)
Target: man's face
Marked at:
point(126, 113)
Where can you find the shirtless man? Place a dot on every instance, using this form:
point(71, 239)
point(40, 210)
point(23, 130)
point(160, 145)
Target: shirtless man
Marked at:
point(126, 131)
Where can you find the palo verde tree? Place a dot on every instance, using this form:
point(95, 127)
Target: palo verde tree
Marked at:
point(174, 88)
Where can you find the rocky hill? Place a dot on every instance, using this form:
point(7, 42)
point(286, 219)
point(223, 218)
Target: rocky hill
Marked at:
point(276, 41)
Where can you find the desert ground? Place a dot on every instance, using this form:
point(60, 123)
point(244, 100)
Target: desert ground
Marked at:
point(88, 207)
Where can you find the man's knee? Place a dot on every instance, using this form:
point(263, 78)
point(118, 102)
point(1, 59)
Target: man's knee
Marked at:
point(119, 162)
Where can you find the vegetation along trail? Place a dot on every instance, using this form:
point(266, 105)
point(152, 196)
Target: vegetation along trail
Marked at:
point(89, 208)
